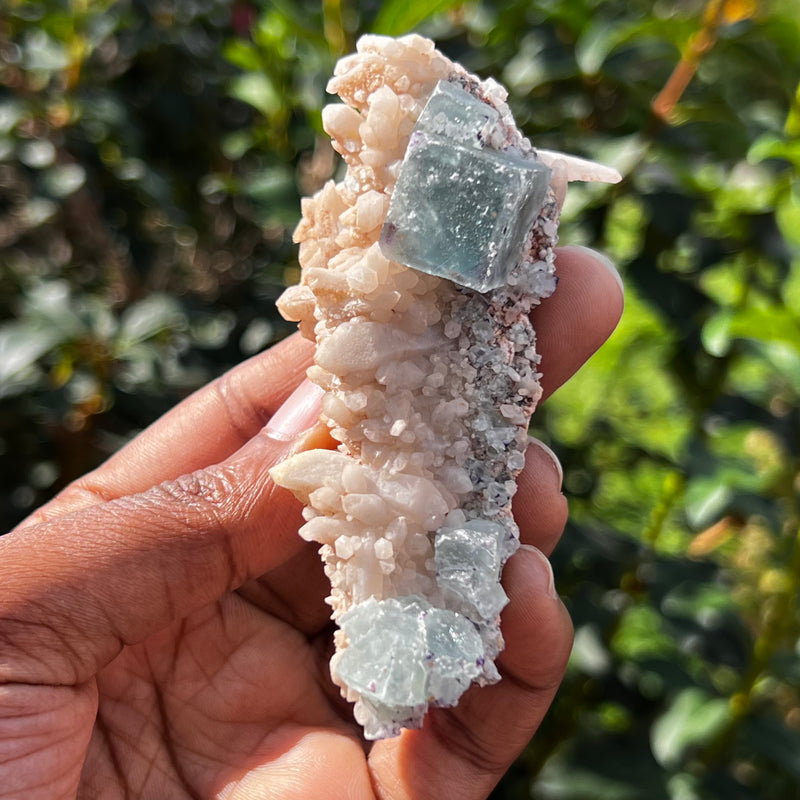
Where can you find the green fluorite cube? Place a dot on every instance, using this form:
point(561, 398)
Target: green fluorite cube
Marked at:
point(462, 213)
point(453, 113)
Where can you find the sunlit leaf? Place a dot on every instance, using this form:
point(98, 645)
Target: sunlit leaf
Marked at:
point(242, 54)
point(148, 317)
point(21, 345)
point(64, 179)
point(257, 90)
point(400, 16)
point(735, 11)
point(693, 718)
point(705, 498)
point(776, 324)
point(711, 538)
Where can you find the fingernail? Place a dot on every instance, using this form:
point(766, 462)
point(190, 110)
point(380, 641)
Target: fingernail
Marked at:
point(603, 259)
point(551, 455)
point(299, 412)
point(543, 577)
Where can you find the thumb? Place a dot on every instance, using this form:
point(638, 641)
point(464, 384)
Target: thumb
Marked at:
point(78, 588)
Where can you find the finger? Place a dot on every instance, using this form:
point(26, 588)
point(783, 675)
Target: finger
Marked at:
point(204, 429)
point(579, 317)
point(79, 588)
point(460, 753)
point(540, 509)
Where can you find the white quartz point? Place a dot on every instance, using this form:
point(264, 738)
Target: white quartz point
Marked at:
point(410, 495)
point(414, 496)
point(358, 346)
point(580, 169)
point(304, 472)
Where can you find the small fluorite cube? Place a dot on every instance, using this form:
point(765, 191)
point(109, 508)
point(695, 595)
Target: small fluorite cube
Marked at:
point(454, 114)
point(468, 563)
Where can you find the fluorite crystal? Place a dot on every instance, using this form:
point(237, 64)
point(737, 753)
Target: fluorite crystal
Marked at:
point(459, 118)
point(403, 652)
point(461, 210)
point(429, 382)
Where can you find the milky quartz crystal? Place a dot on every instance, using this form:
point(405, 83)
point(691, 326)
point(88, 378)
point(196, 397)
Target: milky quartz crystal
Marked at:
point(418, 300)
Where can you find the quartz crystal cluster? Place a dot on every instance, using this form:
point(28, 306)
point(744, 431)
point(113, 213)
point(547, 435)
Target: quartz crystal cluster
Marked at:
point(419, 270)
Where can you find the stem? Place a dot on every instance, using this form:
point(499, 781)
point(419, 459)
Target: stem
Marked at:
point(674, 484)
point(664, 103)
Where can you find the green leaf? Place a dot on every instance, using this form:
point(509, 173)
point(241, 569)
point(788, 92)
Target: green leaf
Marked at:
point(716, 333)
point(785, 360)
point(21, 345)
point(257, 90)
point(242, 54)
point(706, 499)
point(600, 39)
point(401, 16)
point(775, 324)
point(792, 127)
point(771, 146)
point(692, 719)
point(148, 317)
point(589, 653)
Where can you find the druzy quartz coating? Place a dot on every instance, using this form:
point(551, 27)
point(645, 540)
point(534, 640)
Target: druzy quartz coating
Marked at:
point(460, 209)
point(429, 364)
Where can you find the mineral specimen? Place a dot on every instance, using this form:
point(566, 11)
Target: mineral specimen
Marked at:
point(419, 271)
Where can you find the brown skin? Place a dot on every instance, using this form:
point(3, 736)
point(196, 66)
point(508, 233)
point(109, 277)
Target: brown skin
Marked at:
point(163, 632)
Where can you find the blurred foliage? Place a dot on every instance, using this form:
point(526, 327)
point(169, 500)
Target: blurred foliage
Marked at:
point(152, 156)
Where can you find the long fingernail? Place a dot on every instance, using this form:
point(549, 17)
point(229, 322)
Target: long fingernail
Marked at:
point(604, 260)
point(299, 412)
point(551, 456)
point(543, 577)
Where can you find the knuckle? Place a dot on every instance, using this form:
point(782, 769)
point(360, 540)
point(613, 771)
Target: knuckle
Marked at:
point(216, 502)
point(245, 414)
point(216, 495)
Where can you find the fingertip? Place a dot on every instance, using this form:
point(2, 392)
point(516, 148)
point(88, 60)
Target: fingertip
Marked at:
point(298, 413)
point(601, 258)
point(541, 573)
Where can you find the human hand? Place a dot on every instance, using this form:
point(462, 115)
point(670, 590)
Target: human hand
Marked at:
point(163, 631)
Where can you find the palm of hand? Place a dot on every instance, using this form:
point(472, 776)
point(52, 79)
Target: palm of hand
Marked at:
point(232, 696)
